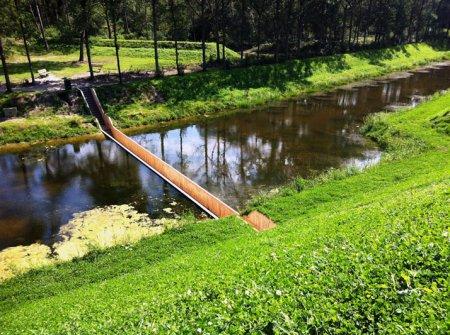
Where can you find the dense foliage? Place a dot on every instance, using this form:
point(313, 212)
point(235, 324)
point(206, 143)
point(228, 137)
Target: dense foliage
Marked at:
point(258, 29)
point(242, 24)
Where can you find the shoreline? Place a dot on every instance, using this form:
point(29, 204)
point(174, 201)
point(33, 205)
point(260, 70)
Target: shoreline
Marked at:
point(165, 125)
point(364, 222)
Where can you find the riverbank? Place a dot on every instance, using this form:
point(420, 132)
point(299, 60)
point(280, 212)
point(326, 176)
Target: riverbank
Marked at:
point(157, 102)
point(358, 251)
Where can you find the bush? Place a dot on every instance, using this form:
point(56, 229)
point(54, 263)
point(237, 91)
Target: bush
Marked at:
point(186, 45)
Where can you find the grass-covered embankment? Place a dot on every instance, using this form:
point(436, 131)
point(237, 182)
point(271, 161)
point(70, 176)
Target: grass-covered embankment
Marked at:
point(217, 91)
point(352, 254)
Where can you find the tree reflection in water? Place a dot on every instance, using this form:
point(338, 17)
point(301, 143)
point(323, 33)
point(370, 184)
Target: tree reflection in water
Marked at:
point(233, 157)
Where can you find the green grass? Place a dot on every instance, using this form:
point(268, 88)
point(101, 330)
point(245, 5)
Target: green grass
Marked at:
point(219, 91)
point(38, 128)
point(61, 61)
point(353, 253)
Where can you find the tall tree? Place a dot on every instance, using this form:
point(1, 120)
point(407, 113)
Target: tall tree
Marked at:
point(112, 7)
point(86, 10)
point(5, 68)
point(198, 7)
point(108, 23)
point(173, 16)
point(34, 5)
point(241, 30)
point(81, 46)
point(24, 38)
point(155, 35)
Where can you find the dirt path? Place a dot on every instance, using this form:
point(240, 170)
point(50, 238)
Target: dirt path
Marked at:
point(52, 83)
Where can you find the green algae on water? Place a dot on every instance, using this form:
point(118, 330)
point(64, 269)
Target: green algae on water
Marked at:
point(96, 229)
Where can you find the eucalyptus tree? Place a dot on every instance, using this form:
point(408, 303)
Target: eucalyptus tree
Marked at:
point(19, 15)
point(155, 15)
point(6, 29)
point(174, 7)
point(5, 67)
point(112, 10)
point(36, 12)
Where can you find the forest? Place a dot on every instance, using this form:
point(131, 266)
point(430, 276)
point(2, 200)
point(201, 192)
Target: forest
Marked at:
point(259, 30)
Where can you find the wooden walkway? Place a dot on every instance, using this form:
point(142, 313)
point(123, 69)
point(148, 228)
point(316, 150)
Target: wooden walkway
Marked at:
point(204, 199)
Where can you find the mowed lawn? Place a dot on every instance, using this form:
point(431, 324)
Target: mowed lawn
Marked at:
point(62, 61)
point(353, 253)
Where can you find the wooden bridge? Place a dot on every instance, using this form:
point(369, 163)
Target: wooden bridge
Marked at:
point(201, 197)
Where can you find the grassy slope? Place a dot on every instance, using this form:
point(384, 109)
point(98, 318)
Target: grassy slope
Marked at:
point(219, 90)
point(359, 254)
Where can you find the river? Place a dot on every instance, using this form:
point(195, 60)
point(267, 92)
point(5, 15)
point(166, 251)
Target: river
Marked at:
point(235, 157)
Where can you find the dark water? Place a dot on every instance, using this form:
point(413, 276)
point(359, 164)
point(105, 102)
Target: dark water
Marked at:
point(234, 157)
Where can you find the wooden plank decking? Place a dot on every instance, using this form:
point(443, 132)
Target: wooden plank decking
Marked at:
point(204, 199)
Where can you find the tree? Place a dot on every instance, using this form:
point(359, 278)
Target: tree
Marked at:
point(173, 15)
point(35, 11)
point(24, 38)
point(155, 35)
point(86, 10)
point(5, 68)
point(198, 7)
point(111, 8)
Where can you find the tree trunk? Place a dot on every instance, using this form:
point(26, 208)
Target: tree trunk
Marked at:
point(155, 37)
point(350, 31)
point(41, 25)
point(81, 57)
point(344, 27)
point(88, 53)
point(116, 46)
point(411, 20)
point(299, 27)
point(34, 16)
point(277, 33)
point(241, 33)
point(5, 68)
point(222, 19)
point(287, 29)
point(203, 4)
point(175, 35)
point(367, 24)
point(25, 43)
point(108, 24)
point(126, 27)
point(258, 38)
point(419, 21)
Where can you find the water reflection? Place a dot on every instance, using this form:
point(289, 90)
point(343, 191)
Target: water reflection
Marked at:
point(40, 190)
point(238, 155)
point(233, 157)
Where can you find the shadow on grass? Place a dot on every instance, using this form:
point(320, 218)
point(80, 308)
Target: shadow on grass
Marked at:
point(379, 56)
point(51, 66)
point(278, 77)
